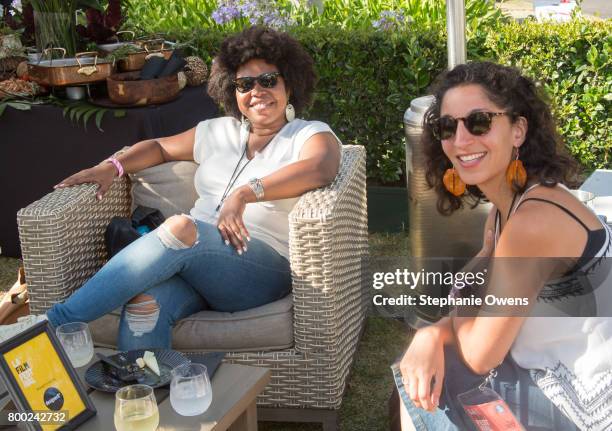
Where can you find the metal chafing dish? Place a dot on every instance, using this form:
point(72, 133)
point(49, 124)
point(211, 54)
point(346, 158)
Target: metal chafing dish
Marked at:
point(144, 49)
point(110, 47)
point(83, 68)
point(150, 48)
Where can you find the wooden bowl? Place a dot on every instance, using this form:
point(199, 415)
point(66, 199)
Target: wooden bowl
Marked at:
point(128, 89)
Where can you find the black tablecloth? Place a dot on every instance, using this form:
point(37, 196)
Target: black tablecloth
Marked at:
point(39, 148)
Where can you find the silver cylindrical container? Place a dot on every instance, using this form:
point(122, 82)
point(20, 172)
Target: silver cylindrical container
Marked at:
point(432, 234)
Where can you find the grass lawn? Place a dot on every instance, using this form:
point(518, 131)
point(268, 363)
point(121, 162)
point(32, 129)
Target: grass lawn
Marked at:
point(364, 407)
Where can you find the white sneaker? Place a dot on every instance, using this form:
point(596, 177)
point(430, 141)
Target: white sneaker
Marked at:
point(23, 323)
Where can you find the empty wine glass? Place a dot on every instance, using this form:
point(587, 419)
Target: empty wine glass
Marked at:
point(190, 390)
point(136, 409)
point(76, 341)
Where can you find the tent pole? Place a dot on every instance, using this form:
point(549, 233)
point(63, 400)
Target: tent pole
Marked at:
point(455, 26)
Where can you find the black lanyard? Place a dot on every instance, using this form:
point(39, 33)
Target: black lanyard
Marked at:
point(233, 179)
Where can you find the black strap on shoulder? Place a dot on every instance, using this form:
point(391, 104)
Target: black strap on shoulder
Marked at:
point(568, 212)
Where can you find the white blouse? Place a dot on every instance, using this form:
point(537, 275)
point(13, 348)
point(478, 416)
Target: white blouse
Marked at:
point(219, 145)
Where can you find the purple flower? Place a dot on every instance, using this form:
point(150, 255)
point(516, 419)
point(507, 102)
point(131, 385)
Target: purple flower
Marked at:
point(255, 11)
point(226, 12)
point(388, 20)
point(248, 8)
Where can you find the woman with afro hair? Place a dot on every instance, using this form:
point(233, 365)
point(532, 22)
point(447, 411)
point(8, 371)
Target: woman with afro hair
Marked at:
point(231, 252)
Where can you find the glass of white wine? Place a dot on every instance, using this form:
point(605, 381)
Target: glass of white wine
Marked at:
point(190, 390)
point(76, 341)
point(136, 409)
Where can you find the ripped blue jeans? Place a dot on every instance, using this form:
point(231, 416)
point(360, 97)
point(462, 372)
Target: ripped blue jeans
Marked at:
point(180, 280)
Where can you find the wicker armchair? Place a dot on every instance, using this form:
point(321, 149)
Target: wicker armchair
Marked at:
point(62, 245)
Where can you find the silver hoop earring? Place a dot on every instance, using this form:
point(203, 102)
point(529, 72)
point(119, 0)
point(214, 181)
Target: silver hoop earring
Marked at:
point(244, 122)
point(289, 112)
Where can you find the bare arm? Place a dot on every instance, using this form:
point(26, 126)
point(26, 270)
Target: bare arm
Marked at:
point(153, 152)
point(317, 166)
point(483, 342)
point(520, 271)
point(139, 156)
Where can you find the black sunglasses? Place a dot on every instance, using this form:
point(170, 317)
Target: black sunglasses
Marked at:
point(245, 84)
point(477, 123)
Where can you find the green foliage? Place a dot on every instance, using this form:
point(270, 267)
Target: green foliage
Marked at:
point(366, 81)
point(83, 111)
point(185, 15)
point(573, 62)
point(152, 16)
point(367, 77)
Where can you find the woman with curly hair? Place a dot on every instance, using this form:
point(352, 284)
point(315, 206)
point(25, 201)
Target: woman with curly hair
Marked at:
point(231, 252)
point(490, 135)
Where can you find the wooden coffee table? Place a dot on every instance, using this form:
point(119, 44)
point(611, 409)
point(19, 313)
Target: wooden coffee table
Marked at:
point(234, 387)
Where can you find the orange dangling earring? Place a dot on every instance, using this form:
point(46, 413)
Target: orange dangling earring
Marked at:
point(516, 174)
point(452, 182)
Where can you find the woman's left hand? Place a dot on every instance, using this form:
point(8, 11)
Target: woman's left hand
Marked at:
point(230, 222)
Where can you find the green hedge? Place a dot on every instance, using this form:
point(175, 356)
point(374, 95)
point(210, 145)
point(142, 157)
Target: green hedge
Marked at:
point(573, 62)
point(369, 77)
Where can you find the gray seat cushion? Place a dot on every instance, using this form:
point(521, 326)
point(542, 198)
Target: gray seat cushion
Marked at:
point(269, 327)
point(167, 187)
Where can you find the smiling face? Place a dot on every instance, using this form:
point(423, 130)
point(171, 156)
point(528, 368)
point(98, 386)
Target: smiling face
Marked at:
point(480, 160)
point(264, 107)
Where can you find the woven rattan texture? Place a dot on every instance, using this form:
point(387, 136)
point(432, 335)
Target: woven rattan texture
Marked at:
point(62, 245)
point(62, 239)
point(328, 250)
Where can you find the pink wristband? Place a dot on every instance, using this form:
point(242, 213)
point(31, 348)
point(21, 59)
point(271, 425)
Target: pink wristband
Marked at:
point(117, 165)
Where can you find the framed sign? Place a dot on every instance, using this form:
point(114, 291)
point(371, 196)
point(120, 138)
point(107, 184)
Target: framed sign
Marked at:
point(42, 382)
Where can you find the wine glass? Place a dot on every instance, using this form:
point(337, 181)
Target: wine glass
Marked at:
point(190, 390)
point(136, 409)
point(76, 340)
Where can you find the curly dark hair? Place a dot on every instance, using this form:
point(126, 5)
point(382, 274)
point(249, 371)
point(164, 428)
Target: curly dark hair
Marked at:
point(277, 48)
point(543, 153)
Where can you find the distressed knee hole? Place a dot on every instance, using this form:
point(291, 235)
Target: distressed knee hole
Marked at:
point(141, 314)
point(178, 232)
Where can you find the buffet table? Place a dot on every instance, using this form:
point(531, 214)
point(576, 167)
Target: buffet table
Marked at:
point(39, 148)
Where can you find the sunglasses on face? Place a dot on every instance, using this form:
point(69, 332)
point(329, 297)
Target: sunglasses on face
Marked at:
point(477, 123)
point(245, 84)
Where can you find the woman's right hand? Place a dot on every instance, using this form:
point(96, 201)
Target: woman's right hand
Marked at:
point(422, 363)
point(102, 175)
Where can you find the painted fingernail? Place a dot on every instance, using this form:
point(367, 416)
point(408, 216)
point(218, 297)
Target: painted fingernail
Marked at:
point(244, 248)
point(226, 242)
point(240, 252)
point(248, 238)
